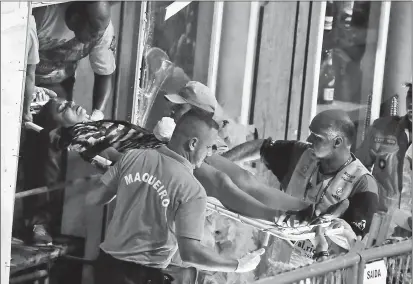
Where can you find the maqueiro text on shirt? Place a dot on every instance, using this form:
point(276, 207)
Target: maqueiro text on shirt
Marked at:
point(150, 180)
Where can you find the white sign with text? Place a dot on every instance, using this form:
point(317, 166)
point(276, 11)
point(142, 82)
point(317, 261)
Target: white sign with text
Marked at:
point(375, 273)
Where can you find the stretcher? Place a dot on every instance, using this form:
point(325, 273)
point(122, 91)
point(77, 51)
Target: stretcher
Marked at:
point(287, 233)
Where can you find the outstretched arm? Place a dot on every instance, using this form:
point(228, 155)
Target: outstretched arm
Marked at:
point(249, 184)
point(247, 151)
point(220, 186)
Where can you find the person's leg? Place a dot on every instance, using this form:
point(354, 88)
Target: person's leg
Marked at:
point(248, 183)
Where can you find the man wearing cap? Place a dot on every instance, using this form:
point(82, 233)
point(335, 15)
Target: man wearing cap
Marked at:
point(160, 208)
point(219, 175)
point(384, 149)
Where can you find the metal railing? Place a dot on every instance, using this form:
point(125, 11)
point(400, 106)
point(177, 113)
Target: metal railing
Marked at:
point(349, 268)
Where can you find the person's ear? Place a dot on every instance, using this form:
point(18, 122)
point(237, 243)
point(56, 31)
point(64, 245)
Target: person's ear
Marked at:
point(193, 142)
point(338, 141)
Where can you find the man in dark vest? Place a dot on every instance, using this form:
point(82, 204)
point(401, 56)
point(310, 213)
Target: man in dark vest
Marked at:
point(322, 171)
point(384, 150)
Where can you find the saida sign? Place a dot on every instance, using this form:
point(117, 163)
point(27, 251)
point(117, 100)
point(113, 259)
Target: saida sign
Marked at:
point(375, 273)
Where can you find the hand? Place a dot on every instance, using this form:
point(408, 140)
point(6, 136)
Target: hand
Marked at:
point(97, 115)
point(332, 212)
point(42, 94)
point(294, 218)
point(27, 116)
point(250, 261)
point(348, 232)
point(320, 240)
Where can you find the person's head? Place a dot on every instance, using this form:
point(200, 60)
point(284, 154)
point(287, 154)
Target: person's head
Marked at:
point(332, 133)
point(409, 101)
point(193, 94)
point(59, 112)
point(194, 136)
point(88, 20)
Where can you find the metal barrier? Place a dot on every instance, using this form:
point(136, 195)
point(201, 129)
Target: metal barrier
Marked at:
point(350, 268)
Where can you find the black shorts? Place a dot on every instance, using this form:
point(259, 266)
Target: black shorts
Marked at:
point(109, 270)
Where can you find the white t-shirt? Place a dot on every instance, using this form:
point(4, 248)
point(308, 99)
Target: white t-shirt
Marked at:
point(60, 51)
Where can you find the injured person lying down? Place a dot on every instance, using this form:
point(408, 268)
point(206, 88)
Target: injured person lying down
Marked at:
point(221, 178)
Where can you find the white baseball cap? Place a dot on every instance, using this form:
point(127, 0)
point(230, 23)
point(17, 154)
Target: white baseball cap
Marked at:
point(200, 96)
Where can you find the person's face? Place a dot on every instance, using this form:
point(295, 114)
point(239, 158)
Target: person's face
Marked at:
point(178, 110)
point(68, 113)
point(409, 106)
point(202, 147)
point(82, 29)
point(321, 143)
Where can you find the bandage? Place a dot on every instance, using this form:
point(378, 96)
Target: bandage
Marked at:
point(164, 129)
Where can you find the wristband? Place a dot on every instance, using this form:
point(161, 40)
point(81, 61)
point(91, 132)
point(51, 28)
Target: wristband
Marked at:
point(321, 254)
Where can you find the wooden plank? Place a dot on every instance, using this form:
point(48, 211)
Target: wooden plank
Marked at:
point(274, 71)
point(312, 71)
point(13, 61)
point(298, 72)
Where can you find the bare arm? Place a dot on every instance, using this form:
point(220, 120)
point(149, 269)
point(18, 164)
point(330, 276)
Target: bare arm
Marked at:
point(250, 185)
point(193, 253)
point(100, 194)
point(101, 91)
point(105, 189)
point(220, 186)
point(189, 221)
point(28, 91)
point(247, 151)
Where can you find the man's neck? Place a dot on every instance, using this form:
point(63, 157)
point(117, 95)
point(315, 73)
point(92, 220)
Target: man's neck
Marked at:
point(334, 163)
point(178, 150)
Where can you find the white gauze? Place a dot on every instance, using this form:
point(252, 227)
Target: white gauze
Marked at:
point(164, 129)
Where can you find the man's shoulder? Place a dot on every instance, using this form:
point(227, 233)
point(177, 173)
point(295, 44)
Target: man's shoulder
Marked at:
point(366, 183)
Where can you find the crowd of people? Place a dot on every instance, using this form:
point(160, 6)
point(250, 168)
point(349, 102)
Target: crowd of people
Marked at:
point(161, 183)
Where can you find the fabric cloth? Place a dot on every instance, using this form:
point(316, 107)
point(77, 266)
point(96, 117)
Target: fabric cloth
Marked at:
point(44, 161)
point(109, 270)
point(282, 157)
point(32, 43)
point(384, 150)
point(158, 200)
point(60, 51)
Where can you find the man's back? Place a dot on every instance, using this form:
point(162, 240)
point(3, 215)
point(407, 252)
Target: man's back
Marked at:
point(153, 185)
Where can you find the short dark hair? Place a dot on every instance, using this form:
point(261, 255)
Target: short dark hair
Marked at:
point(44, 117)
point(96, 13)
point(199, 114)
point(337, 121)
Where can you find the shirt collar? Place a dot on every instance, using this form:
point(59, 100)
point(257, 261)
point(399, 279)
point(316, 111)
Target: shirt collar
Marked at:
point(168, 152)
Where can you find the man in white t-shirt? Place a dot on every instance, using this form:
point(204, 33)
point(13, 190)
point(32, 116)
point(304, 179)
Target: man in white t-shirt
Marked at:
point(66, 34)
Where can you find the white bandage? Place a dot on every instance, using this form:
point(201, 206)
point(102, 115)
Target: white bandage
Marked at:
point(164, 129)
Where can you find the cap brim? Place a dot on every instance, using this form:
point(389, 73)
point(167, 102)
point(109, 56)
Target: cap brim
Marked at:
point(176, 99)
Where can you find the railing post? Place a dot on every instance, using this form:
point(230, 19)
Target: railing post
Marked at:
point(362, 265)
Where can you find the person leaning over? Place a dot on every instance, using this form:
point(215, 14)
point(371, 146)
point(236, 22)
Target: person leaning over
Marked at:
point(160, 208)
